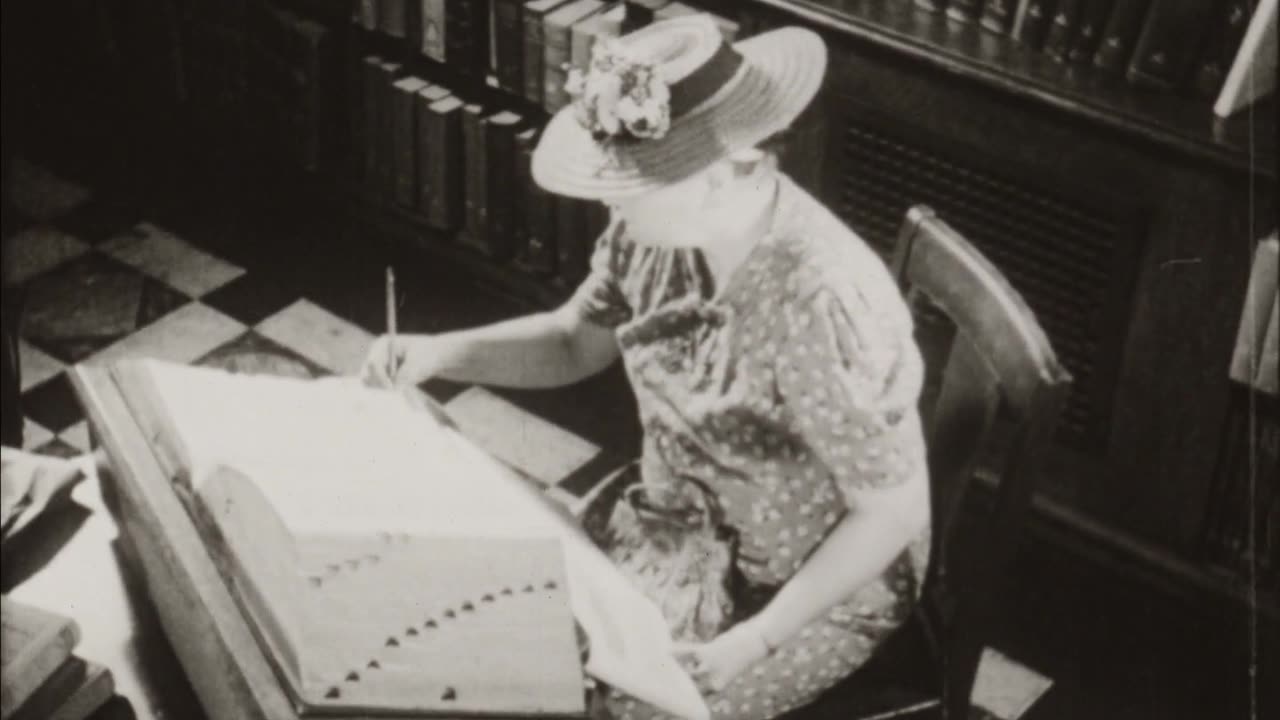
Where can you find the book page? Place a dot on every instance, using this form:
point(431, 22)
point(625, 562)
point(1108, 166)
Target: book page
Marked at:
point(333, 457)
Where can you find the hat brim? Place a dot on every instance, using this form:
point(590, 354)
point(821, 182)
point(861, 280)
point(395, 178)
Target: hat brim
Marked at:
point(782, 72)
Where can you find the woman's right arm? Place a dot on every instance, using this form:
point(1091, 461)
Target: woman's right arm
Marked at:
point(548, 349)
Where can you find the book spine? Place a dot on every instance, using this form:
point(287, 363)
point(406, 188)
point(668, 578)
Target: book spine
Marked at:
point(500, 158)
point(1266, 379)
point(384, 136)
point(1223, 44)
point(424, 155)
point(997, 15)
point(556, 53)
point(404, 142)
point(1032, 22)
point(475, 165)
point(366, 14)
point(1062, 31)
point(1262, 289)
point(580, 41)
point(370, 86)
point(1166, 47)
point(480, 37)
point(509, 44)
point(965, 11)
point(433, 29)
point(532, 51)
point(446, 175)
point(1119, 34)
point(525, 141)
point(457, 34)
point(1093, 20)
point(392, 17)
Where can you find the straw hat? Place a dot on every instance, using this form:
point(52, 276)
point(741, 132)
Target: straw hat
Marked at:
point(722, 98)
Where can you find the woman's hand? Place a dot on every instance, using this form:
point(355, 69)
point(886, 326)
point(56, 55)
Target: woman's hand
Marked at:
point(415, 360)
point(713, 665)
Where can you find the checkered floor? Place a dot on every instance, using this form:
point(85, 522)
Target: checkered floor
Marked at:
point(101, 282)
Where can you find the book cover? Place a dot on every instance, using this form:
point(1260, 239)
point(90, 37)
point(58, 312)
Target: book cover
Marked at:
point(1032, 21)
point(1267, 378)
point(508, 41)
point(413, 24)
point(1093, 20)
point(46, 700)
point(433, 29)
point(534, 20)
point(443, 201)
point(404, 132)
point(1255, 313)
point(997, 15)
point(1167, 46)
point(1253, 71)
point(965, 11)
point(476, 184)
point(605, 24)
point(500, 193)
point(556, 51)
point(1220, 47)
point(1062, 30)
point(393, 17)
point(1119, 34)
point(34, 643)
point(98, 687)
point(638, 13)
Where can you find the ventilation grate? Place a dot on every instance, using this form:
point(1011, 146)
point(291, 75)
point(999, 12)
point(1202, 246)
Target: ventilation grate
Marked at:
point(1060, 255)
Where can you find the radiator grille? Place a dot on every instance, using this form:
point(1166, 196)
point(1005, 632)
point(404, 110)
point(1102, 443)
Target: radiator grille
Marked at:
point(1061, 256)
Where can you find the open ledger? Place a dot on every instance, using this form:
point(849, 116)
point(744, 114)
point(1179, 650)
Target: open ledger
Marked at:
point(386, 563)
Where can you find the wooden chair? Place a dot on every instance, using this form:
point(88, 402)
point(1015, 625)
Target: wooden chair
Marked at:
point(1000, 392)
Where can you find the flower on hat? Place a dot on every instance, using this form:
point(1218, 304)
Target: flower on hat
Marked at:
point(619, 97)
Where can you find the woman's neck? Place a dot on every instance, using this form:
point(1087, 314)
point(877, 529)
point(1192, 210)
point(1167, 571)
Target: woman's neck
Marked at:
point(743, 219)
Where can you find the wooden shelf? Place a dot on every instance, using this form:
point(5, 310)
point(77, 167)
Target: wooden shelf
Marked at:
point(1186, 125)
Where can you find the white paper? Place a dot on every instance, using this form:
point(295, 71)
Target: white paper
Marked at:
point(334, 457)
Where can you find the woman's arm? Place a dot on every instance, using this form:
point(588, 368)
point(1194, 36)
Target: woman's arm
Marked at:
point(881, 523)
point(536, 351)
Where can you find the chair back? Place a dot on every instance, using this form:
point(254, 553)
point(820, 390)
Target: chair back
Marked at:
point(995, 402)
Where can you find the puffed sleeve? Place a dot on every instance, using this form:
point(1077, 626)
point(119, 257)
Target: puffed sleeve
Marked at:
point(599, 299)
point(850, 377)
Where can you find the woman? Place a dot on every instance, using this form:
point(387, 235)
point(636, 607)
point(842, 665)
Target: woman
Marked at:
point(769, 349)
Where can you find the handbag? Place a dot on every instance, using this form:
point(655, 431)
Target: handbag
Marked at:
point(674, 545)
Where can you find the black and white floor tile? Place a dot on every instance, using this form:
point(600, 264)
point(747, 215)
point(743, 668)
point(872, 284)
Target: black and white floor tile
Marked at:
point(102, 283)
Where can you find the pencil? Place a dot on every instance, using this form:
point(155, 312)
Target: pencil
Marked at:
point(391, 324)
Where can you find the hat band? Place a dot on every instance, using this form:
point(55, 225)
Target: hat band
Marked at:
point(693, 89)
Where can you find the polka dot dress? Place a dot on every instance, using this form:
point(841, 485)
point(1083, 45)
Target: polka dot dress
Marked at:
point(788, 391)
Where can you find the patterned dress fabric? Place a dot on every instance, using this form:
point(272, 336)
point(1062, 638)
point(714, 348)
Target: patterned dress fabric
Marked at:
point(787, 391)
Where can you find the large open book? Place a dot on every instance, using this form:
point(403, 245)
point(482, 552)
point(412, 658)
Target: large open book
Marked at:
point(389, 566)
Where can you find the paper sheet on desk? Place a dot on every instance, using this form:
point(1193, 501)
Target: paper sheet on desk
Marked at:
point(334, 457)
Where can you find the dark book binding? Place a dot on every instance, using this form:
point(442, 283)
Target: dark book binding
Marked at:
point(365, 14)
point(1169, 42)
point(533, 18)
point(1225, 36)
point(1031, 24)
point(964, 11)
point(1121, 30)
point(500, 156)
point(404, 132)
point(1093, 21)
point(476, 185)
point(508, 40)
point(525, 141)
point(371, 78)
point(393, 17)
point(467, 36)
point(384, 133)
point(997, 15)
point(1062, 31)
point(444, 177)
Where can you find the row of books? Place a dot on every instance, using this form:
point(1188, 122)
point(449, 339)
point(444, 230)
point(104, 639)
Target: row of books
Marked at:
point(1170, 44)
point(40, 676)
point(266, 69)
point(524, 46)
point(463, 168)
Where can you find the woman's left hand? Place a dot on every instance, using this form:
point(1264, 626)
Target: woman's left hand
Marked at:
point(713, 665)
